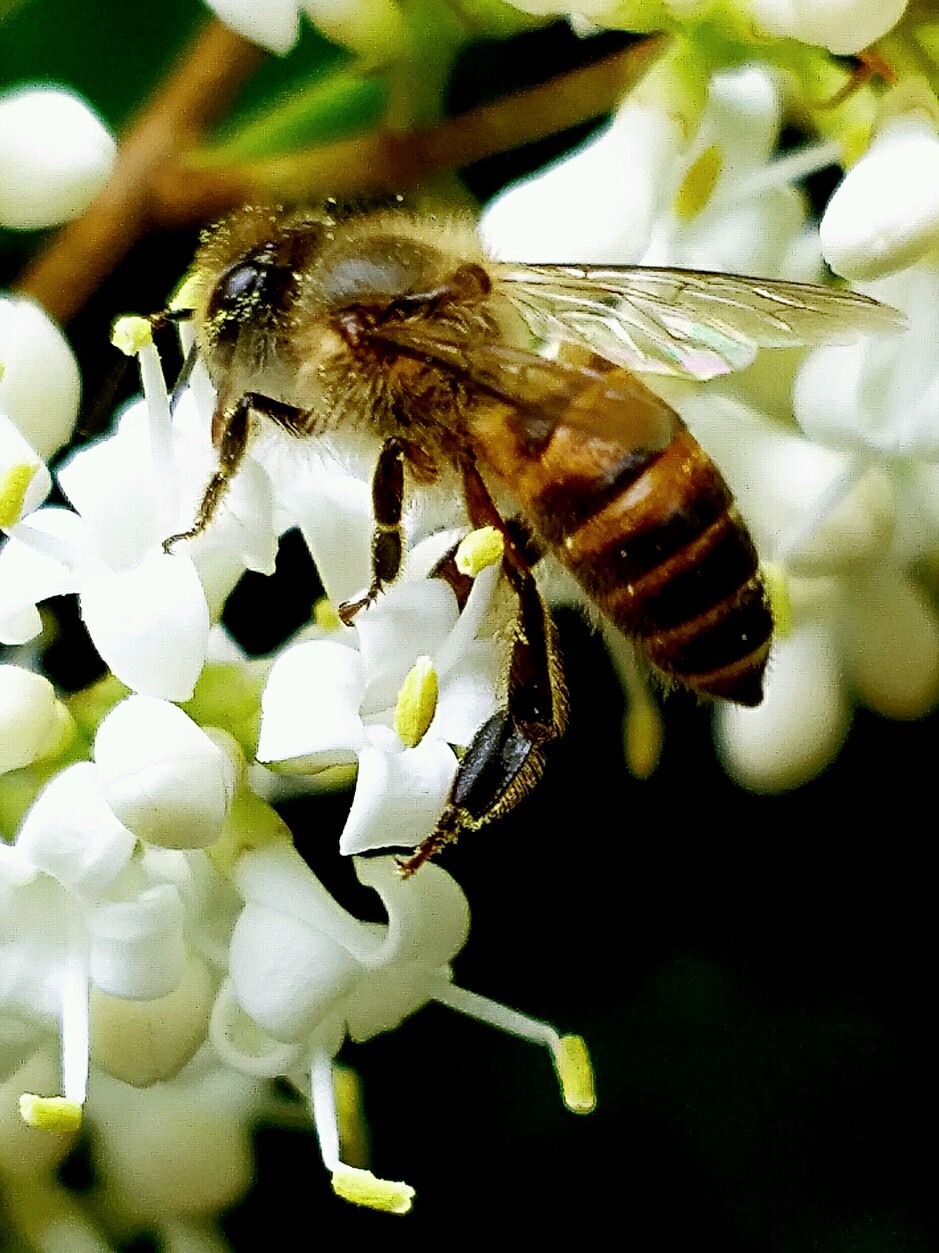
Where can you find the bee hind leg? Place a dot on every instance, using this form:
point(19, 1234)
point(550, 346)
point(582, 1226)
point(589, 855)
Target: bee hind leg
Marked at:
point(507, 754)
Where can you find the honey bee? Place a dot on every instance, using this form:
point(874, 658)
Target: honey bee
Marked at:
point(518, 380)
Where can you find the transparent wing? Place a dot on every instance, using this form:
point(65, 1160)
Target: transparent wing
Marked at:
point(541, 393)
point(683, 322)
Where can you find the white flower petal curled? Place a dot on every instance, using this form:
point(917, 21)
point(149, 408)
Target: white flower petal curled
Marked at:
point(841, 26)
point(884, 215)
point(71, 833)
point(428, 914)
point(55, 154)
point(40, 385)
point(166, 780)
point(800, 725)
point(286, 974)
point(30, 574)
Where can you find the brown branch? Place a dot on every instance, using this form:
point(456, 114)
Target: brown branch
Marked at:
point(159, 181)
point(386, 160)
point(78, 257)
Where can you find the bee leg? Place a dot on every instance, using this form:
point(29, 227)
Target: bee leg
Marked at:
point(506, 757)
point(387, 504)
point(230, 431)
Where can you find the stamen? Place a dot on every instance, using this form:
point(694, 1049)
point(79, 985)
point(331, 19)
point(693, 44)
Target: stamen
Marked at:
point(481, 548)
point(13, 488)
point(575, 1074)
point(782, 172)
point(50, 1113)
point(643, 732)
point(417, 703)
point(353, 1184)
point(75, 1031)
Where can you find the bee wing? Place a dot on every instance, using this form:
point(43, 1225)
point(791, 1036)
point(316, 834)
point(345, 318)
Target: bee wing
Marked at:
point(542, 393)
point(685, 322)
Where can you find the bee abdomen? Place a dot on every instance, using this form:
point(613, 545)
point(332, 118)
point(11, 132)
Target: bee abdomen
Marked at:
point(666, 556)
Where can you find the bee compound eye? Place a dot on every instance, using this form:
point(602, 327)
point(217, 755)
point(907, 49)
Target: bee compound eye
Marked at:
point(241, 283)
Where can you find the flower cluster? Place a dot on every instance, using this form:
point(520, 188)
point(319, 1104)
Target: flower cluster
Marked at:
point(156, 916)
point(164, 949)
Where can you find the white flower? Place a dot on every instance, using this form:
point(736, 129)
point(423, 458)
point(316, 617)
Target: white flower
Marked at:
point(884, 215)
point(39, 380)
point(641, 192)
point(78, 911)
point(327, 703)
point(146, 610)
point(305, 973)
point(55, 154)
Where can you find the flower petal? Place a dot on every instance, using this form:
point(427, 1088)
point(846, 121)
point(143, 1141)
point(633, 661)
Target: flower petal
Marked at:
point(40, 384)
point(287, 976)
point(150, 625)
point(56, 156)
point(162, 775)
point(71, 834)
point(310, 707)
point(137, 945)
point(399, 796)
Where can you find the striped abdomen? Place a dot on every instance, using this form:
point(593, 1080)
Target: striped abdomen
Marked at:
point(654, 539)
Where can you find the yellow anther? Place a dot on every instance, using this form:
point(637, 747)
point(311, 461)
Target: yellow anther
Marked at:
point(50, 1113)
point(572, 1062)
point(325, 616)
point(776, 582)
point(479, 549)
point(13, 488)
point(131, 333)
point(417, 703)
point(361, 1187)
point(698, 184)
point(642, 735)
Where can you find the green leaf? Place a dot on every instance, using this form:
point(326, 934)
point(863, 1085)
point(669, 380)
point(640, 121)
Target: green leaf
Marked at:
point(340, 104)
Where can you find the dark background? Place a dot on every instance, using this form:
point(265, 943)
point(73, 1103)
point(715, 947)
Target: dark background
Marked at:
point(752, 973)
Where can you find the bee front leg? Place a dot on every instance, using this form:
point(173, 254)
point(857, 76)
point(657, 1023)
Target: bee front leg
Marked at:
point(230, 430)
point(388, 504)
point(506, 756)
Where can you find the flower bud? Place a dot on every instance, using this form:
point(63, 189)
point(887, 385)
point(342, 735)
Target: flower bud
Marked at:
point(33, 722)
point(55, 154)
point(39, 380)
point(884, 215)
point(166, 780)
